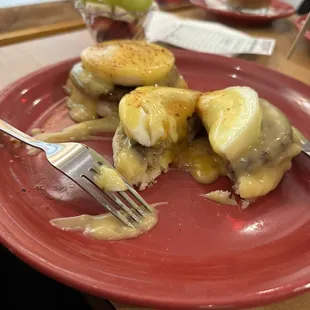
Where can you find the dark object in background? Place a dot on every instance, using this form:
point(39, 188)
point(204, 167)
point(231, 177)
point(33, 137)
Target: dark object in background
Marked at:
point(24, 287)
point(304, 8)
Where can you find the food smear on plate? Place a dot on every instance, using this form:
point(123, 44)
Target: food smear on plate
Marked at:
point(106, 226)
point(198, 158)
point(80, 132)
point(221, 197)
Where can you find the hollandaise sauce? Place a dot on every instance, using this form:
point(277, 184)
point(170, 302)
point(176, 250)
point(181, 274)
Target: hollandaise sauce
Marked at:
point(198, 158)
point(80, 132)
point(107, 226)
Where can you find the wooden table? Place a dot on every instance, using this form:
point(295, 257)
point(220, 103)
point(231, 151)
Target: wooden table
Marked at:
point(40, 52)
point(20, 59)
point(20, 23)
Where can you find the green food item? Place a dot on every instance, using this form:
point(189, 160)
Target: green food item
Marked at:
point(129, 5)
point(106, 2)
point(134, 5)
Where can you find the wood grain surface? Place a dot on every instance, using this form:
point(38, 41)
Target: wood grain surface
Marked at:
point(26, 22)
point(28, 16)
point(38, 20)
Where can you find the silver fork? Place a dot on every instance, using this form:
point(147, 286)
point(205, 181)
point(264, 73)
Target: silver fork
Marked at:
point(306, 148)
point(79, 163)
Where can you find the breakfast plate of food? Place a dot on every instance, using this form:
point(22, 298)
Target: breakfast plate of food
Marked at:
point(244, 11)
point(216, 145)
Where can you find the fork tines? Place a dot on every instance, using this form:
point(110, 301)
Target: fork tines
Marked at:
point(120, 204)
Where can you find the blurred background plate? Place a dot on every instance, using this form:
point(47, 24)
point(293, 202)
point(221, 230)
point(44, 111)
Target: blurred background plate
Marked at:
point(279, 9)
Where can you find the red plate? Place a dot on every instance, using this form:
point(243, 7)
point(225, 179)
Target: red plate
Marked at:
point(277, 10)
point(299, 23)
point(200, 255)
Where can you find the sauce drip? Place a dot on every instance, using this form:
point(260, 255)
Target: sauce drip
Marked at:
point(107, 226)
point(198, 158)
point(221, 197)
point(261, 168)
point(82, 107)
point(109, 180)
point(80, 132)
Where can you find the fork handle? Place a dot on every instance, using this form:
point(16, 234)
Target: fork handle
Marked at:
point(21, 136)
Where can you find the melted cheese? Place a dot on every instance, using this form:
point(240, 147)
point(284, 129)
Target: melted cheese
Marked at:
point(85, 89)
point(106, 226)
point(221, 197)
point(172, 79)
point(89, 83)
point(256, 171)
point(298, 136)
point(251, 185)
point(81, 132)
point(201, 161)
point(232, 117)
point(151, 115)
point(260, 169)
point(109, 180)
point(81, 107)
point(196, 157)
point(130, 163)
